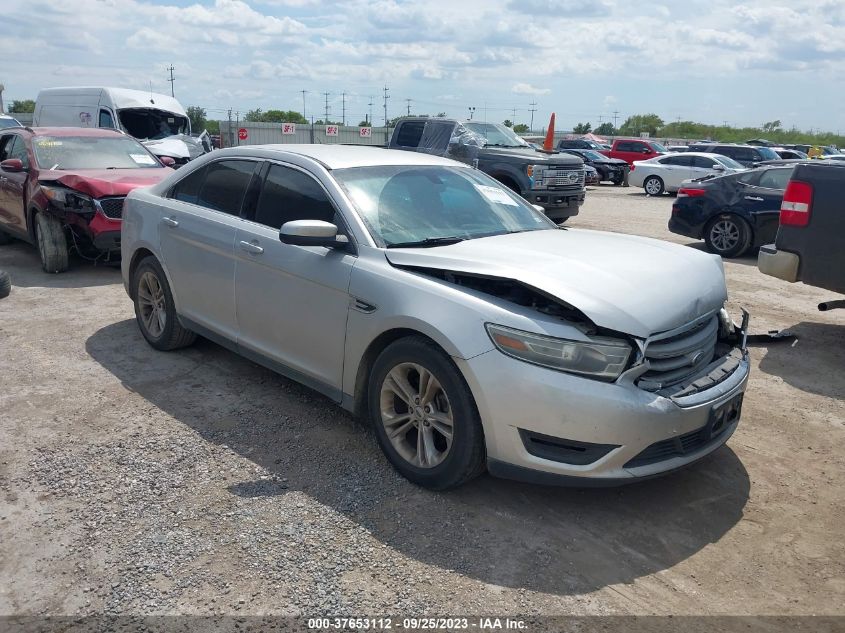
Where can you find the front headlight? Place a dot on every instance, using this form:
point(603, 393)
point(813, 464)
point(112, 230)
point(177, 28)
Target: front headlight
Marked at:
point(603, 358)
point(62, 197)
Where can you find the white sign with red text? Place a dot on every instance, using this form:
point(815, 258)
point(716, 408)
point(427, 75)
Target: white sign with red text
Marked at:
point(288, 128)
point(332, 130)
point(366, 132)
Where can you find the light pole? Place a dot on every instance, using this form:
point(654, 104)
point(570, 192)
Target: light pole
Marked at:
point(471, 112)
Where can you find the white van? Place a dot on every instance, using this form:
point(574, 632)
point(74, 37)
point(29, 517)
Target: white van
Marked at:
point(157, 120)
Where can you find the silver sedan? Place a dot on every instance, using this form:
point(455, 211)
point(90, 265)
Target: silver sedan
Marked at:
point(421, 294)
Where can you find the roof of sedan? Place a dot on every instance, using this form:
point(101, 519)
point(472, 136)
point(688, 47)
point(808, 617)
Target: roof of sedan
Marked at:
point(340, 156)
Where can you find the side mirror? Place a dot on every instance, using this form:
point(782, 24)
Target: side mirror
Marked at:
point(718, 167)
point(646, 150)
point(167, 161)
point(312, 233)
point(12, 165)
point(537, 207)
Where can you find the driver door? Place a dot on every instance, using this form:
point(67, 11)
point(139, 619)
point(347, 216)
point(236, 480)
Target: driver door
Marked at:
point(13, 185)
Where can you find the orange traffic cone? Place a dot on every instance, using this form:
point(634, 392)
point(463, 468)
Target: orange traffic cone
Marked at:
point(548, 144)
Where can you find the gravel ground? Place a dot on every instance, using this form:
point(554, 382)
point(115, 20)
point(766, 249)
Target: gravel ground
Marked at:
point(138, 482)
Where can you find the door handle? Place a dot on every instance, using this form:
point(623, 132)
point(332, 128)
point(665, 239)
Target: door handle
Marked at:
point(754, 198)
point(170, 222)
point(251, 247)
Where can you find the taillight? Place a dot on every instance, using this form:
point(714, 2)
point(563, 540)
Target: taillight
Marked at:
point(689, 192)
point(796, 205)
point(632, 167)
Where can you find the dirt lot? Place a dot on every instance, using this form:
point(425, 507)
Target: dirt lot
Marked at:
point(195, 482)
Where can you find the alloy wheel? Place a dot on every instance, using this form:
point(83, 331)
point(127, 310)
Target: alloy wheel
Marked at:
point(152, 304)
point(724, 235)
point(653, 186)
point(416, 415)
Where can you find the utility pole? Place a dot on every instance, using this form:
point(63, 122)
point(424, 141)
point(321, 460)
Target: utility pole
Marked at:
point(231, 140)
point(408, 101)
point(471, 112)
point(303, 103)
point(370, 104)
point(326, 118)
point(513, 120)
point(386, 97)
point(171, 80)
point(615, 119)
point(343, 108)
point(532, 110)
point(2, 88)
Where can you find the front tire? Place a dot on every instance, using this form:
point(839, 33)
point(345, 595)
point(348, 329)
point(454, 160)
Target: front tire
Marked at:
point(155, 310)
point(728, 236)
point(654, 186)
point(52, 243)
point(424, 415)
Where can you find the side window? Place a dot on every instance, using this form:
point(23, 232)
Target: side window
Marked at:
point(106, 119)
point(679, 161)
point(410, 133)
point(625, 146)
point(226, 182)
point(17, 149)
point(703, 161)
point(289, 194)
point(188, 189)
point(775, 178)
point(6, 143)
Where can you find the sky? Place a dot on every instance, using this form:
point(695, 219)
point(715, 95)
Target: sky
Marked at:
point(713, 61)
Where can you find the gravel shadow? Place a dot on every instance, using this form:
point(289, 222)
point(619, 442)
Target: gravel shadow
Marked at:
point(21, 261)
point(555, 540)
point(818, 352)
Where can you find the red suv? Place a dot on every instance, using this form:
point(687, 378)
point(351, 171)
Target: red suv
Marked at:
point(630, 150)
point(62, 189)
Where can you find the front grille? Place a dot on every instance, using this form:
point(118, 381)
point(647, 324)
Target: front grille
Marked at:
point(675, 358)
point(112, 207)
point(561, 178)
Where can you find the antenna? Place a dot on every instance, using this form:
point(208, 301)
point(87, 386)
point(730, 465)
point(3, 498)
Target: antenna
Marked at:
point(151, 91)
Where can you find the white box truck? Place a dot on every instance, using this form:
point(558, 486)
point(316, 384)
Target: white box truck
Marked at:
point(157, 120)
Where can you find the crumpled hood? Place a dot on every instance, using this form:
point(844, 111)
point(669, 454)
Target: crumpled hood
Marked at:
point(625, 283)
point(610, 161)
point(178, 146)
point(106, 182)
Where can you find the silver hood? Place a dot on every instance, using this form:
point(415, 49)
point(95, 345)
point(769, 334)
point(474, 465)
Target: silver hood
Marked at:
point(625, 283)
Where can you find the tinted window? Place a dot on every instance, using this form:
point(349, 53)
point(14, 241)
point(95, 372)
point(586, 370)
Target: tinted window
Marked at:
point(410, 133)
point(680, 161)
point(17, 149)
point(626, 147)
point(289, 195)
point(703, 161)
point(6, 145)
point(226, 182)
point(775, 178)
point(106, 119)
point(188, 189)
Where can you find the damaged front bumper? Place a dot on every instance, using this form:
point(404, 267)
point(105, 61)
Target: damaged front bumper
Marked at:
point(550, 427)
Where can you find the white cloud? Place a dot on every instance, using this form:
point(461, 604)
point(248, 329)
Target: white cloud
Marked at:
point(528, 89)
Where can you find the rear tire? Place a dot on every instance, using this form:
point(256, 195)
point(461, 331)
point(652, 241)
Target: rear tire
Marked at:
point(155, 310)
point(728, 235)
point(654, 186)
point(5, 284)
point(424, 415)
point(52, 243)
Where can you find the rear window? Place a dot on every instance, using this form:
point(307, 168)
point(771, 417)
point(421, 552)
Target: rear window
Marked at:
point(775, 178)
point(92, 152)
point(410, 133)
point(226, 182)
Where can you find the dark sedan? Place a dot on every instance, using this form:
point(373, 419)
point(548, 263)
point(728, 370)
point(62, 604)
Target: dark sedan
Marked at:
point(612, 169)
point(733, 213)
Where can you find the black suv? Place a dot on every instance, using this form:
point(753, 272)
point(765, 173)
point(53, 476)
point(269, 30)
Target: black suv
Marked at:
point(748, 155)
point(578, 143)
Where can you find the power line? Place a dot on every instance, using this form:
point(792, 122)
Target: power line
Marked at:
point(615, 119)
point(532, 110)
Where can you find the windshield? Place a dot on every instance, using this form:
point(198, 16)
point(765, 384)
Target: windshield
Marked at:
point(657, 147)
point(588, 153)
point(91, 152)
point(412, 204)
point(496, 135)
point(8, 122)
point(768, 153)
point(143, 123)
point(728, 162)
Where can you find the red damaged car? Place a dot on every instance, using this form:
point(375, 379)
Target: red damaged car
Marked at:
point(62, 189)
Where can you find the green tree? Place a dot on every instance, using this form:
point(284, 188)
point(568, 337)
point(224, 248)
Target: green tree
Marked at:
point(638, 123)
point(26, 105)
point(275, 116)
point(772, 126)
point(213, 127)
point(507, 123)
point(198, 118)
point(364, 123)
point(520, 128)
point(582, 128)
point(605, 129)
point(254, 116)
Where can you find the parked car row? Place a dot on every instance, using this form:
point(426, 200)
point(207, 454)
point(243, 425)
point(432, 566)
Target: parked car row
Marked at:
point(668, 172)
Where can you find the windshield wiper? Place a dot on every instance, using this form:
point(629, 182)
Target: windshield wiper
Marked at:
point(429, 241)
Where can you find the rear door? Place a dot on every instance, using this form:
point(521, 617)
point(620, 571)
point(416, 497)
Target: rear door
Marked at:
point(197, 235)
point(13, 185)
point(292, 301)
point(703, 166)
point(675, 170)
point(762, 201)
